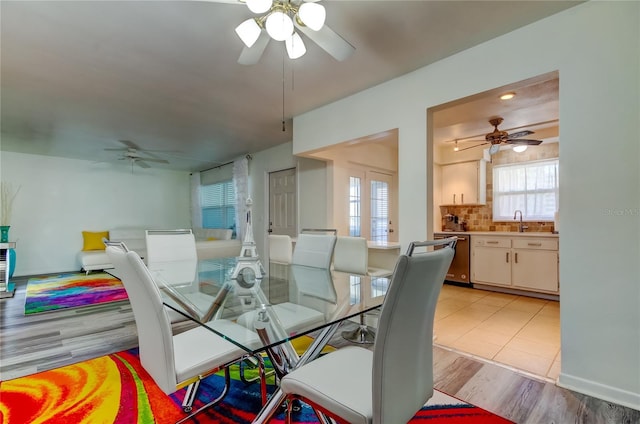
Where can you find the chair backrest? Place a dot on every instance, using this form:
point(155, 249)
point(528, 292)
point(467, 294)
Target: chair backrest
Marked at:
point(314, 250)
point(280, 248)
point(403, 349)
point(170, 245)
point(173, 252)
point(351, 254)
point(155, 337)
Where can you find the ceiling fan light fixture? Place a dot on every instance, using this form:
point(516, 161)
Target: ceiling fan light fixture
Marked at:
point(456, 148)
point(295, 46)
point(520, 148)
point(259, 6)
point(279, 26)
point(249, 31)
point(312, 15)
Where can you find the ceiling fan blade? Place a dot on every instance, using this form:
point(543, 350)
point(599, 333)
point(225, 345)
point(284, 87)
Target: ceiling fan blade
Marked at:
point(472, 147)
point(142, 164)
point(329, 40)
point(251, 55)
point(520, 134)
point(524, 141)
point(154, 160)
point(117, 149)
point(129, 144)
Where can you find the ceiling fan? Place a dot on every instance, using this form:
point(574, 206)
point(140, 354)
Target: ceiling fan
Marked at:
point(498, 137)
point(132, 153)
point(284, 20)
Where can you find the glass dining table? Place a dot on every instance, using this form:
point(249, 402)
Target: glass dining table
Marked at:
point(287, 302)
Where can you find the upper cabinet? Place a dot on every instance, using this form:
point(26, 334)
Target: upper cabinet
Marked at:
point(464, 183)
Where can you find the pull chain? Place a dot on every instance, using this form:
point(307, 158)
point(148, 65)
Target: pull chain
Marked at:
point(283, 126)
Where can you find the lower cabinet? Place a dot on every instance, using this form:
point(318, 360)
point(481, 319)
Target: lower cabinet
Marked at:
point(525, 263)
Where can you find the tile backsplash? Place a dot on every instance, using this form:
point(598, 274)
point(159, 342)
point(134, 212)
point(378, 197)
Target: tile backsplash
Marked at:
point(479, 218)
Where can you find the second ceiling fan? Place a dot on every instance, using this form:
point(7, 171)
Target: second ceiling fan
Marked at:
point(498, 137)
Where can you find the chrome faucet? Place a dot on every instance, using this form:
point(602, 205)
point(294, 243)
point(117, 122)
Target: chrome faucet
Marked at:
point(521, 227)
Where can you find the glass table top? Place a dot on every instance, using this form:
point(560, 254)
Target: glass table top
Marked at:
point(257, 313)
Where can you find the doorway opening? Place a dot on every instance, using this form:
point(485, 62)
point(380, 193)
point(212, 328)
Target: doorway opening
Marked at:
point(500, 322)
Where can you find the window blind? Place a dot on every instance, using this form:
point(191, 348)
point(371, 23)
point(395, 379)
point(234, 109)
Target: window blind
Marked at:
point(531, 187)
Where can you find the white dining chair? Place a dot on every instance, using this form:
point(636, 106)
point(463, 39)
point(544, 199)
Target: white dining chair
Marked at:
point(280, 249)
point(172, 259)
point(314, 248)
point(172, 246)
point(392, 382)
point(351, 254)
point(174, 361)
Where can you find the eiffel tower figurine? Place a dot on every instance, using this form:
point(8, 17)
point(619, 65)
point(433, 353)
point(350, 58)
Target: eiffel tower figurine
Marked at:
point(248, 269)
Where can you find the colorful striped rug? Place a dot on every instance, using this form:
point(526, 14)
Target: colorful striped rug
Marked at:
point(116, 389)
point(72, 290)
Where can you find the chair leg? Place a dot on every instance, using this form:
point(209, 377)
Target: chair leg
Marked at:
point(362, 335)
point(192, 395)
point(257, 361)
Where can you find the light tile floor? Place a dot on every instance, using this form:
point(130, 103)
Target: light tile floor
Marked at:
point(518, 331)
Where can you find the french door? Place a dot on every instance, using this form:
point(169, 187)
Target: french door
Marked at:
point(372, 205)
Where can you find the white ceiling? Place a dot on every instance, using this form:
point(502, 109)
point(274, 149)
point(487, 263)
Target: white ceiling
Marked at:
point(77, 76)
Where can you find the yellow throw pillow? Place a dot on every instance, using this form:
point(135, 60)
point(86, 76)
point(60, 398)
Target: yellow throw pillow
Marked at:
point(93, 240)
point(212, 238)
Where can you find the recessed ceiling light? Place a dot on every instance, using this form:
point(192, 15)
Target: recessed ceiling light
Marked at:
point(508, 96)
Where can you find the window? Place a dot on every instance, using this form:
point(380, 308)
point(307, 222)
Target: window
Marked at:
point(354, 207)
point(379, 210)
point(531, 187)
point(218, 203)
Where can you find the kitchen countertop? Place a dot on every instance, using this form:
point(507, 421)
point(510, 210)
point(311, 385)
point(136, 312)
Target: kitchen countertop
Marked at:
point(502, 233)
point(383, 245)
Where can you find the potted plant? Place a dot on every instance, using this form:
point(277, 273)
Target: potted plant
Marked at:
point(7, 196)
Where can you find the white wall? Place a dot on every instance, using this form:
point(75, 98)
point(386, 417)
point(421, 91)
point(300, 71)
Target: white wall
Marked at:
point(595, 47)
point(59, 198)
point(312, 186)
point(345, 161)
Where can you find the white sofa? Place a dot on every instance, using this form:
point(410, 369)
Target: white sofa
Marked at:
point(210, 243)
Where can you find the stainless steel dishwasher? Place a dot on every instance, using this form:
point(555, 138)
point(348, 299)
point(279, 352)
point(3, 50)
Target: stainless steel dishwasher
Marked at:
point(460, 269)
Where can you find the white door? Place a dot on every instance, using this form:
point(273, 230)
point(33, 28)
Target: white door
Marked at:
point(381, 207)
point(283, 202)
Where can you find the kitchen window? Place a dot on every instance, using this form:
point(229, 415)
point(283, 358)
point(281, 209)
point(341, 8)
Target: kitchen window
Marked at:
point(531, 187)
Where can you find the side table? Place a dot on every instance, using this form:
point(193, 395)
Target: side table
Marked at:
point(7, 289)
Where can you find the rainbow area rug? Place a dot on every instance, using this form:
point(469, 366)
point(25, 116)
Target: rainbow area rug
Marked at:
point(116, 389)
point(51, 293)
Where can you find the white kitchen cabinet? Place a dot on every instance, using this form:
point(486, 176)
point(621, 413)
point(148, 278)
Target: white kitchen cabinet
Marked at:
point(464, 183)
point(526, 263)
point(535, 264)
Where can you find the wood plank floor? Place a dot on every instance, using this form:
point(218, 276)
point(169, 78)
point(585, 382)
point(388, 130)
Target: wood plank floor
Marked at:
point(50, 340)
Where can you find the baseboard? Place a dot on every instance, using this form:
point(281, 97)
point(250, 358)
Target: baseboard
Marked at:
point(600, 391)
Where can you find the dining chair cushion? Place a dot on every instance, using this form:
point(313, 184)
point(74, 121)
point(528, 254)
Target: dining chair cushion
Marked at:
point(323, 380)
point(294, 318)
